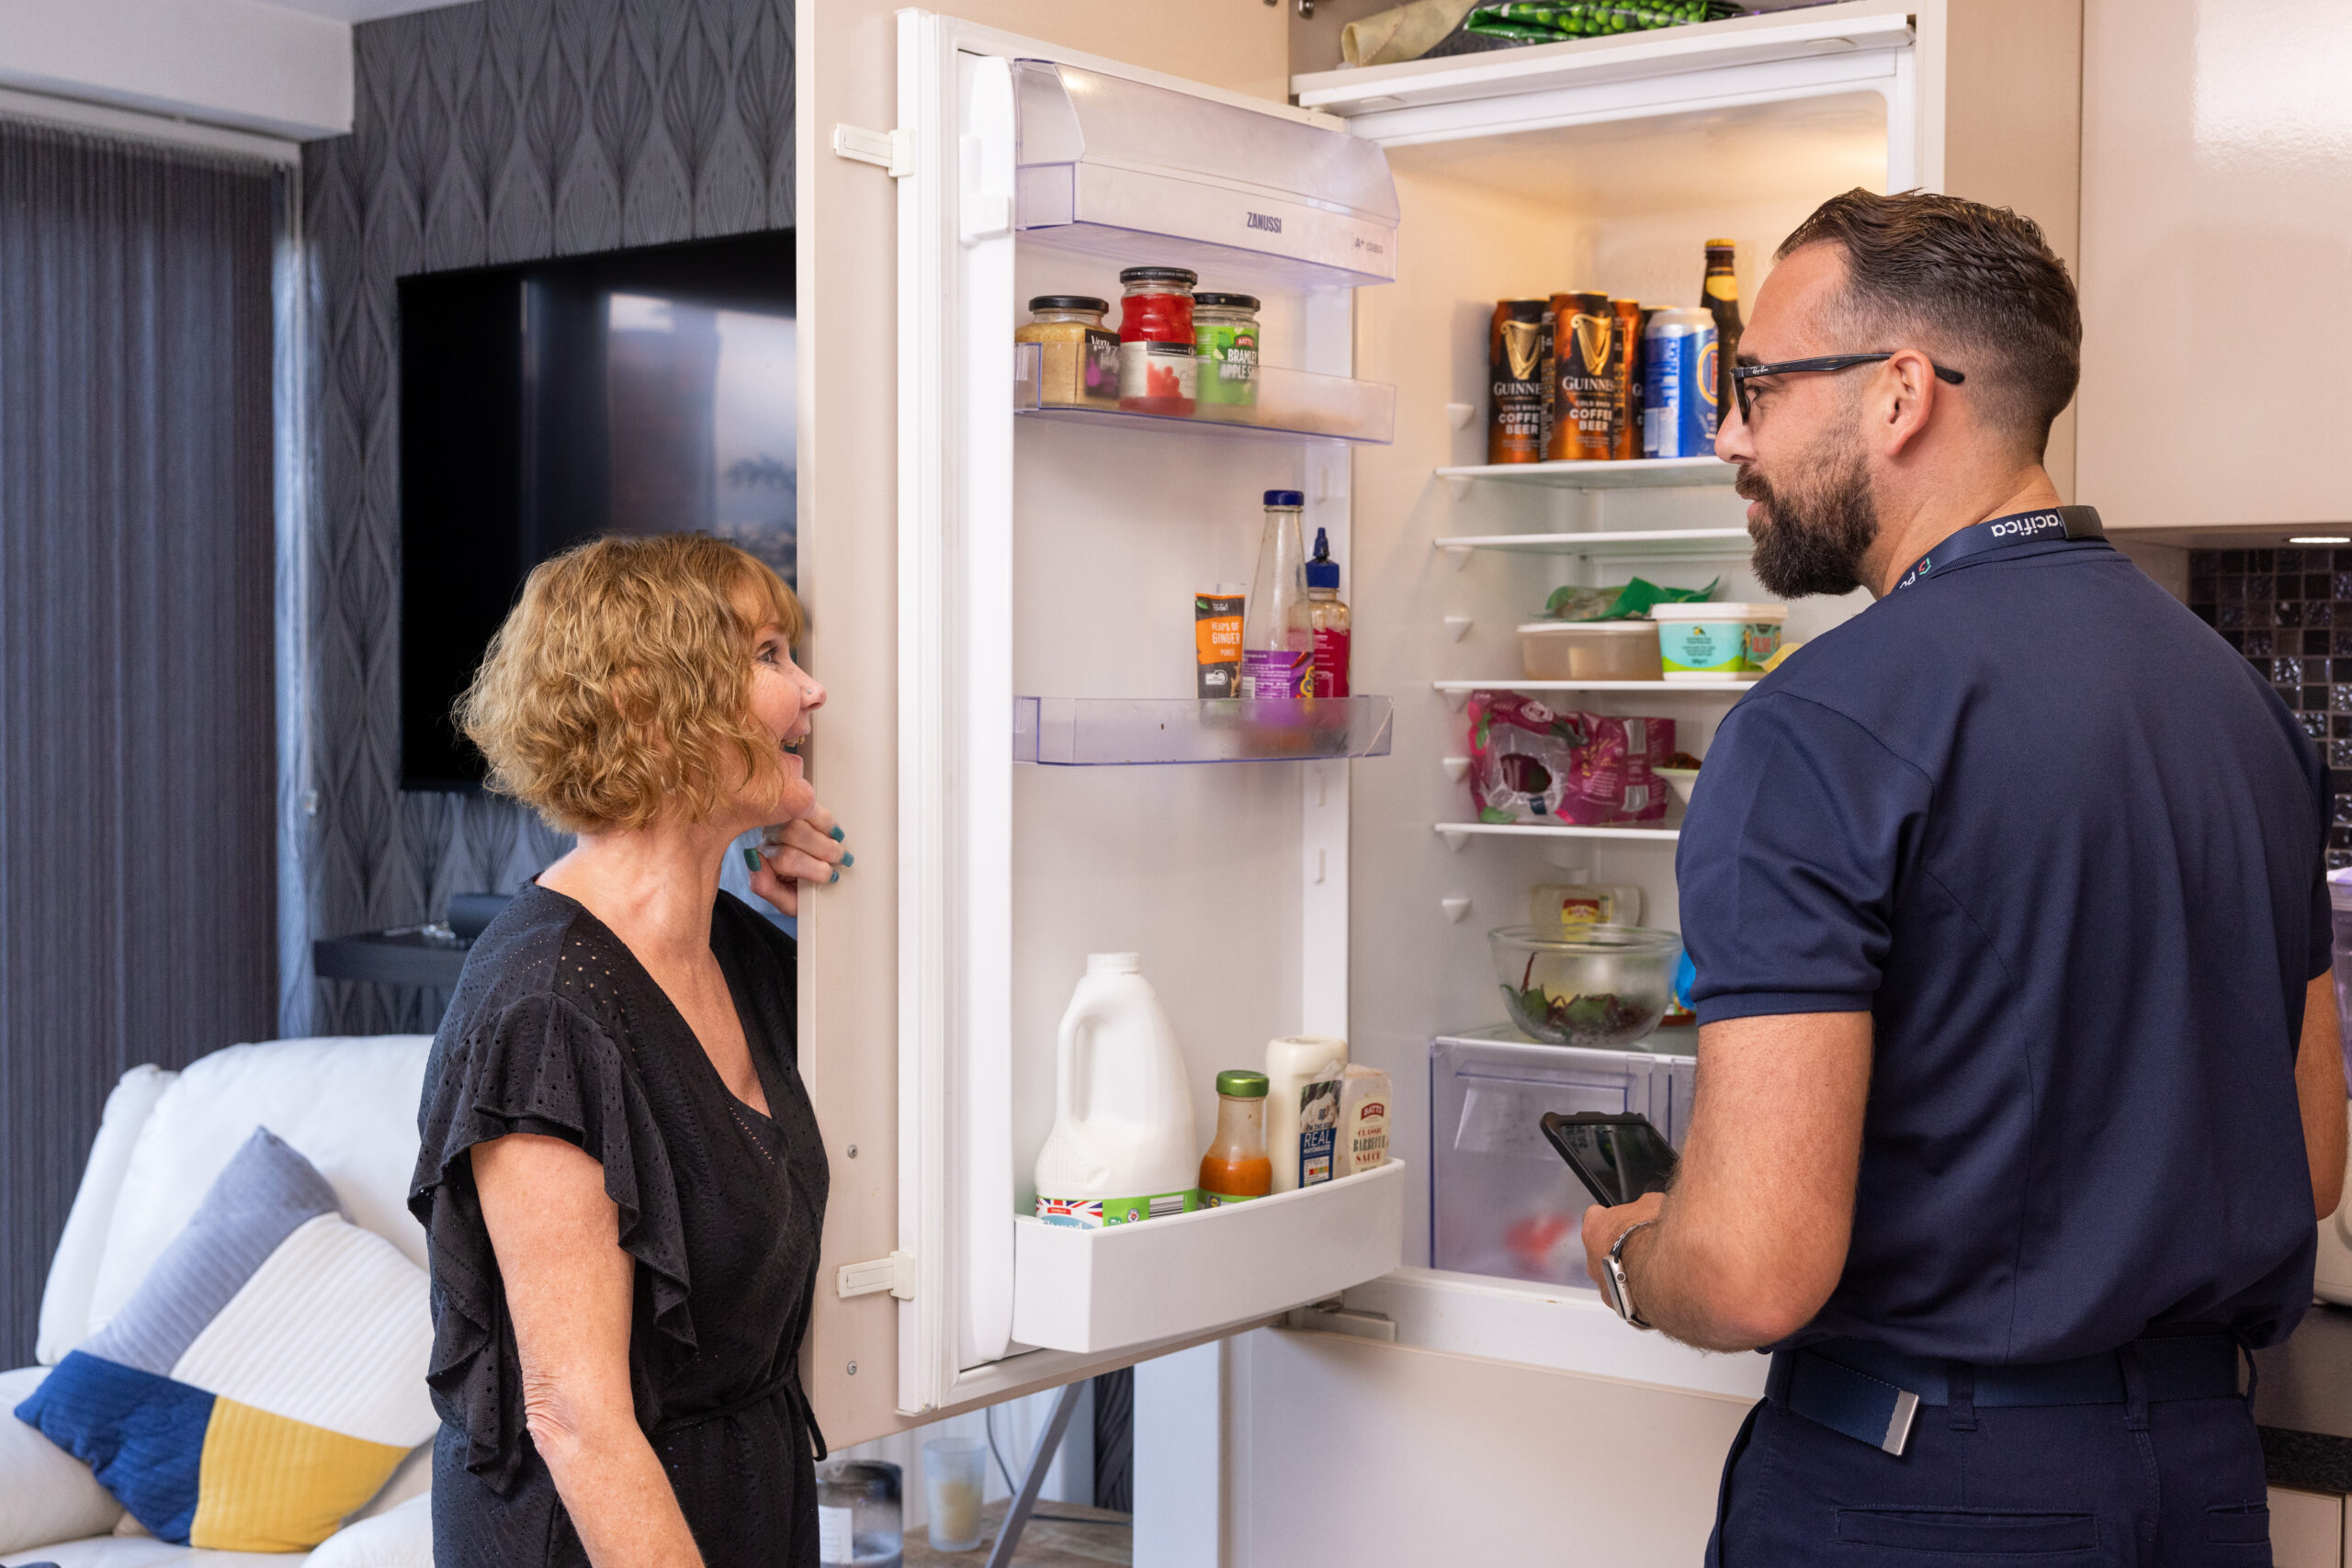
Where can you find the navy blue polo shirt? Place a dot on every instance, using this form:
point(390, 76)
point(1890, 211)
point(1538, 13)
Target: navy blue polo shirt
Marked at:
point(2066, 848)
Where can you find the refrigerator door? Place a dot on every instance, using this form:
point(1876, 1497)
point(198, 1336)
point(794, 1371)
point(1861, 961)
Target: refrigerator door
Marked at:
point(1230, 880)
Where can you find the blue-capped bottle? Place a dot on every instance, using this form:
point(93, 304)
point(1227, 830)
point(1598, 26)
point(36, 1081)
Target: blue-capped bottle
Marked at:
point(1277, 632)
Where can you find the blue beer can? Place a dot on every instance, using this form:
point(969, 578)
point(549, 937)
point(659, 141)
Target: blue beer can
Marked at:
point(1678, 384)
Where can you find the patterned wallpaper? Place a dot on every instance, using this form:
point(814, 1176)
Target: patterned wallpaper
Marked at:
point(2289, 611)
point(501, 131)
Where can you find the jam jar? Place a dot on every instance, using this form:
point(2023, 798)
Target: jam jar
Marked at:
point(1159, 370)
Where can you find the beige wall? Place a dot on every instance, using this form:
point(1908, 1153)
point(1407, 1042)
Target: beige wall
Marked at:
point(2217, 242)
point(848, 216)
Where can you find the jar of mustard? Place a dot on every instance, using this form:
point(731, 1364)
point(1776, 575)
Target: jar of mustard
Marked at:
point(1080, 356)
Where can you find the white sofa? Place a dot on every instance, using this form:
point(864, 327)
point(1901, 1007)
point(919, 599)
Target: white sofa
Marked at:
point(349, 1105)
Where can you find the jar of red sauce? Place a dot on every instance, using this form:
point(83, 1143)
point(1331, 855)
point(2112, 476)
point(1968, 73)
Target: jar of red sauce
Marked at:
point(1159, 362)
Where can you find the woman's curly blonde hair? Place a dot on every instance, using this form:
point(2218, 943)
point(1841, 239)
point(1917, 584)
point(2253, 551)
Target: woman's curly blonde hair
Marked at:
point(620, 684)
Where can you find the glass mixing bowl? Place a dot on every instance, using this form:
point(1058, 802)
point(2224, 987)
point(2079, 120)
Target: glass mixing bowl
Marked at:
point(1596, 985)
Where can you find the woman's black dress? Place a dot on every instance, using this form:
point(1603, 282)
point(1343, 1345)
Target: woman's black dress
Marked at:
point(556, 1029)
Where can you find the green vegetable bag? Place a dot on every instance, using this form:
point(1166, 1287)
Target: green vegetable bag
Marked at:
point(1532, 23)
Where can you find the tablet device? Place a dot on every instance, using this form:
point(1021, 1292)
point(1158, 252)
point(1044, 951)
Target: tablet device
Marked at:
point(1617, 1158)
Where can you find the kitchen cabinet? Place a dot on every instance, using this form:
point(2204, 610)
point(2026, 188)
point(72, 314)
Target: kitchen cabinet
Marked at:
point(2217, 183)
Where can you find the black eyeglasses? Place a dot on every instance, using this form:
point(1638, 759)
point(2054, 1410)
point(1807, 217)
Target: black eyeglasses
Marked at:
point(1742, 373)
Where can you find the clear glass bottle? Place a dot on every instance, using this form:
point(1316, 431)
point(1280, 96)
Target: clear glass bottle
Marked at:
point(1277, 637)
point(1327, 618)
point(1235, 1168)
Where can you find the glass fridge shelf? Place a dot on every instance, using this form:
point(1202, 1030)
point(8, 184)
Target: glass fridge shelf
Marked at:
point(1456, 834)
point(1722, 542)
point(1632, 473)
point(1133, 731)
point(1291, 405)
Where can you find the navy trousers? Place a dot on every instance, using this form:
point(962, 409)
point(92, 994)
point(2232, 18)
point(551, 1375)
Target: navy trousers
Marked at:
point(2160, 1485)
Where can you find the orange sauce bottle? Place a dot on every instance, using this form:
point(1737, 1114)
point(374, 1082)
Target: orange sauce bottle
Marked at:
point(1235, 1168)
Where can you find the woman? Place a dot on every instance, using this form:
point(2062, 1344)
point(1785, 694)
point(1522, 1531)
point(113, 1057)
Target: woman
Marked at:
point(621, 1176)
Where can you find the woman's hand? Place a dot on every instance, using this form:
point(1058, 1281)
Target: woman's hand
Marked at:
point(807, 849)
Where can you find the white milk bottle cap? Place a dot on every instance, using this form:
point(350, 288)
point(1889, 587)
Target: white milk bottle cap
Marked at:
point(1115, 964)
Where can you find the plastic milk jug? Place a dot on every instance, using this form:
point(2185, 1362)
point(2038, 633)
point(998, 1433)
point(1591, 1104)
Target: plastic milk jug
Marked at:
point(1303, 1108)
point(1122, 1148)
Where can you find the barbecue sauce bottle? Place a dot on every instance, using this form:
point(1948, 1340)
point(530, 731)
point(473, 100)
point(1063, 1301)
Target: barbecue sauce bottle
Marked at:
point(1720, 294)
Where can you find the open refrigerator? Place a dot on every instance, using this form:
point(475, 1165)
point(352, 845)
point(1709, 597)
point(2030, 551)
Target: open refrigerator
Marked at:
point(1055, 790)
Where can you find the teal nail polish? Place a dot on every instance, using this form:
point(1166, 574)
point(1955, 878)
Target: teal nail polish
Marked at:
point(831, 880)
point(848, 859)
point(751, 859)
point(838, 835)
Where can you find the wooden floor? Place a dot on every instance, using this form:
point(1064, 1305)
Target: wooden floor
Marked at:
point(1046, 1543)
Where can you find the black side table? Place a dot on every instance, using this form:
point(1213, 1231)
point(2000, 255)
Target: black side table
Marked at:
point(405, 955)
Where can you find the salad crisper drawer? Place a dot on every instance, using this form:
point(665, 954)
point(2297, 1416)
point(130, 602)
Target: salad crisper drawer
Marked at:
point(1127, 1285)
point(1502, 1199)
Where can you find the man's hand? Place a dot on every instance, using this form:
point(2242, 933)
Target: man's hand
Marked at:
point(1751, 1239)
point(807, 849)
point(1602, 1226)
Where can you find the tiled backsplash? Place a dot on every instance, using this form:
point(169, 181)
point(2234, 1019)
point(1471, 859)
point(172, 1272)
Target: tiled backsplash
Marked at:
point(2289, 611)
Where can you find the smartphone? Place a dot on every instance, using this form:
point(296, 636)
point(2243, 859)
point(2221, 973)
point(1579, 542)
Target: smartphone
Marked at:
point(1617, 1158)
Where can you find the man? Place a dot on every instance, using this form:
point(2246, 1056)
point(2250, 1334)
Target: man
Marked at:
point(2019, 1086)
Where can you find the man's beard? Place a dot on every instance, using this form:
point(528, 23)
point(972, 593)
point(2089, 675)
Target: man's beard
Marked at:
point(1813, 540)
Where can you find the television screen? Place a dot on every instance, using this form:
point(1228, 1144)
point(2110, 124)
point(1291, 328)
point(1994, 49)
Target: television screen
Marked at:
point(642, 392)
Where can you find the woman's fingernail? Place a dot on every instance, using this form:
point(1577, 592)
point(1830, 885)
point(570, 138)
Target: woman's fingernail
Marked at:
point(838, 834)
point(751, 859)
point(831, 880)
point(848, 859)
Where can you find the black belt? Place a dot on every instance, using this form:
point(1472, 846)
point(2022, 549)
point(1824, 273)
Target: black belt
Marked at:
point(788, 1386)
point(1871, 1394)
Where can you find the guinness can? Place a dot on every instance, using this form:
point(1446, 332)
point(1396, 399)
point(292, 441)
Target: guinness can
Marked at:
point(1519, 360)
point(1589, 398)
point(1631, 320)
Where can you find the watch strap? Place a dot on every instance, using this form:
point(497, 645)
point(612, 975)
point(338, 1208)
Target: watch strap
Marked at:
point(1622, 1287)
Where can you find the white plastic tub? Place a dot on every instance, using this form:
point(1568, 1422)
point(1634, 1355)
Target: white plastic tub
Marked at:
point(1715, 642)
point(1589, 650)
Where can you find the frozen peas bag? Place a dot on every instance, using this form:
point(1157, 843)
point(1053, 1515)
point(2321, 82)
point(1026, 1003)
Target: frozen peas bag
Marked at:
point(1530, 765)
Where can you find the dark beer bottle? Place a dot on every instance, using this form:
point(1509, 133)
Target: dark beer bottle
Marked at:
point(1720, 294)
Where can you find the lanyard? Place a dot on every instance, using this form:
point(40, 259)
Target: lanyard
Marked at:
point(2003, 533)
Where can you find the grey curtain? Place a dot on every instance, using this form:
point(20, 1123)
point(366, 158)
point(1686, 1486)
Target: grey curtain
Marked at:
point(137, 757)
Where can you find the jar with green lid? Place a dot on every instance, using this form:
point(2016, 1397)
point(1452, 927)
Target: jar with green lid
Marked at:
point(1236, 1168)
point(1225, 335)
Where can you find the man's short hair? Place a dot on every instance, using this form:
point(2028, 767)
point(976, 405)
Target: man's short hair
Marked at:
point(1959, 278)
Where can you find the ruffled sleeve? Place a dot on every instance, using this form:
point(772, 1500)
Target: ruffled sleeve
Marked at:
point(538, 1065)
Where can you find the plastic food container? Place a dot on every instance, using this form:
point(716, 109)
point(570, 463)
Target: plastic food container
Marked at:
point(1715, 642)
point(1680, 780)
point(1597, 987)
point(1589, 650)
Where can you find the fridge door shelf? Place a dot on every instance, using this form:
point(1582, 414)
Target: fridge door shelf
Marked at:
point(1631, 473)
point(1291, 405)
point(1648, 542)
point(1105, 1289)
point(1128, 731)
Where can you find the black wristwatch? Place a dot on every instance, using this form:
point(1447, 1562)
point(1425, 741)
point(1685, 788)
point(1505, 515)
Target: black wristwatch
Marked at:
point(1614, 1283)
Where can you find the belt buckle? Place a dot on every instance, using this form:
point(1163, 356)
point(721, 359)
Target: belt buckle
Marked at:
point(1853, 1403)
point(1898, 1422)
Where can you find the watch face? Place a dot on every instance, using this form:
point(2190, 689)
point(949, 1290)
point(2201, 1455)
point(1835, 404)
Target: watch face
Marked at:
point(1611, 1290)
